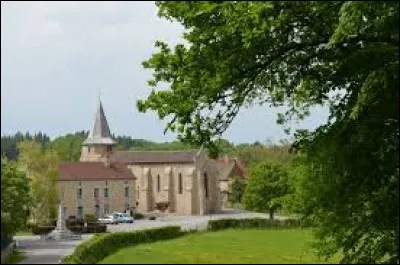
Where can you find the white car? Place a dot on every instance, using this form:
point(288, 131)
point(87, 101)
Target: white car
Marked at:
point(123, 218)
point(108, 219)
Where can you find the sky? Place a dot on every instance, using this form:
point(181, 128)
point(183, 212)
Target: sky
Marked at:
point(58, 57)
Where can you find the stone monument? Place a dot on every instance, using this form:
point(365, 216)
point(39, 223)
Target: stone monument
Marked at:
point(61, 232)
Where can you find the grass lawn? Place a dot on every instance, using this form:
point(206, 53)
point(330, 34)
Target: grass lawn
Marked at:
point(16, 257)
point(228, 246)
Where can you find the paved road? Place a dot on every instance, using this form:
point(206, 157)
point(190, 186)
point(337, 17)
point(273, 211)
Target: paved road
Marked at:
point(186, 222)
point(37, 251)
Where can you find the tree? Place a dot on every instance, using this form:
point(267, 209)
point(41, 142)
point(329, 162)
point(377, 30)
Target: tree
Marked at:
point(41, 167)
point(15, 199)
point(68, 147)
point(267, 184)
point(237, 190)
point(341, 54)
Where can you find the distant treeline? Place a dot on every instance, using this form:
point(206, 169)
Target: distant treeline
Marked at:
point(68, 146)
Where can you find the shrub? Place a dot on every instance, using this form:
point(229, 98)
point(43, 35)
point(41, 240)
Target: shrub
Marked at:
point(138, 216)
point(98, 247)
point(215, 225)
point(96, 228)
point(90, 218)
point(41, 229)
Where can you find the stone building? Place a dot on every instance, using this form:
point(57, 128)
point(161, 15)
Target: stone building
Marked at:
point(107, 180)
point(229, 169)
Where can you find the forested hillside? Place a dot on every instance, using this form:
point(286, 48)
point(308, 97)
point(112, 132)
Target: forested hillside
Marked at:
point(68, 147)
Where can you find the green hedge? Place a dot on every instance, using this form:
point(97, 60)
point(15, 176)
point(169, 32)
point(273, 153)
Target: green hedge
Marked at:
point(138, 216)
point(99, 247)
point(214, 225)
point(41, 229)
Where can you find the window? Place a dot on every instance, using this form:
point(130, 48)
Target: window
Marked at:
point(158, 183)
point(105, 192)
point(96, 210)
point(109, 149)
point(180, 183)
point(80, 212)
point(96, 192)
point(106, 209)
point(79, 193)
point(206, 184)
point(127, 206)
point(126, 192)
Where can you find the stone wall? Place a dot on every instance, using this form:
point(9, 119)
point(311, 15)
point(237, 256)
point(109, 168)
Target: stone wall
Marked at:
point(116, 200)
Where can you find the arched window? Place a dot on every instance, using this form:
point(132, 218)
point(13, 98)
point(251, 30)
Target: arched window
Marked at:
point(206, 184)
point(180, 183)
point(158, 183)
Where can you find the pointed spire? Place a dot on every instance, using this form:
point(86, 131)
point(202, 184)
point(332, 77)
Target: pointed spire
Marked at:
point(100, 133)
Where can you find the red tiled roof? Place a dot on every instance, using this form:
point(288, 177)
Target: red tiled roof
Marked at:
point(238, 166)
point(93, 171)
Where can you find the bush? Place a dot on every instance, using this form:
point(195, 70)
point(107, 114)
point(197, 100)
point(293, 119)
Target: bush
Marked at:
point(90, 218)
point(74, 222)
point(41, 229)
point(215, 225)
point(98, 247)
point(138, 216)
point(96, 228)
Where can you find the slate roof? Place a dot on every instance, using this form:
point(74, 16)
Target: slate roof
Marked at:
point(134, 157)
point(100, 133)
point(93, 171)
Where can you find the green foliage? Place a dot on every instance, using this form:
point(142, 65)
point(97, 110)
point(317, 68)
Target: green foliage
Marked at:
point(251, 154)
point(138, 216)
point(266, 186)
point(41, 229)
point(237, 190)
point(68, 147)
point(99, 247)
point(215, 225)
point(41, 167)
point(341, 54)
point(9, 143)
point(15, 199)
point(90, 218)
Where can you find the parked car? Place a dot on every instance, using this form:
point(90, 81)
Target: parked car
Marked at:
point(108, 219)
point(123, 218)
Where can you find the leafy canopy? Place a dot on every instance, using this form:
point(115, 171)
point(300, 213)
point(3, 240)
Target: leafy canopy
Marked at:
point(267, 184)
point(41, 167)
point(342, 54)
point(237, 190)
point(15, 199)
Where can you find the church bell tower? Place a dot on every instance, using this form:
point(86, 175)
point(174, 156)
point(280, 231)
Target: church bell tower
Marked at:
point(99, 146)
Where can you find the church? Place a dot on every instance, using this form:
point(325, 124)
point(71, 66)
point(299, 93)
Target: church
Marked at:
point(106, 180)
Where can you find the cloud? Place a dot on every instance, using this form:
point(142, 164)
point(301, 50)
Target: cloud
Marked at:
point(57, 55)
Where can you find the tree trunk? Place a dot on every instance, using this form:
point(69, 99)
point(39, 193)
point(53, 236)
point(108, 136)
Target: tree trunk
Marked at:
point(271, 214)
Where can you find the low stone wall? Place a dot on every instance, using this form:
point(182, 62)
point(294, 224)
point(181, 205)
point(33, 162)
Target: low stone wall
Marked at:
point(6, 252)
